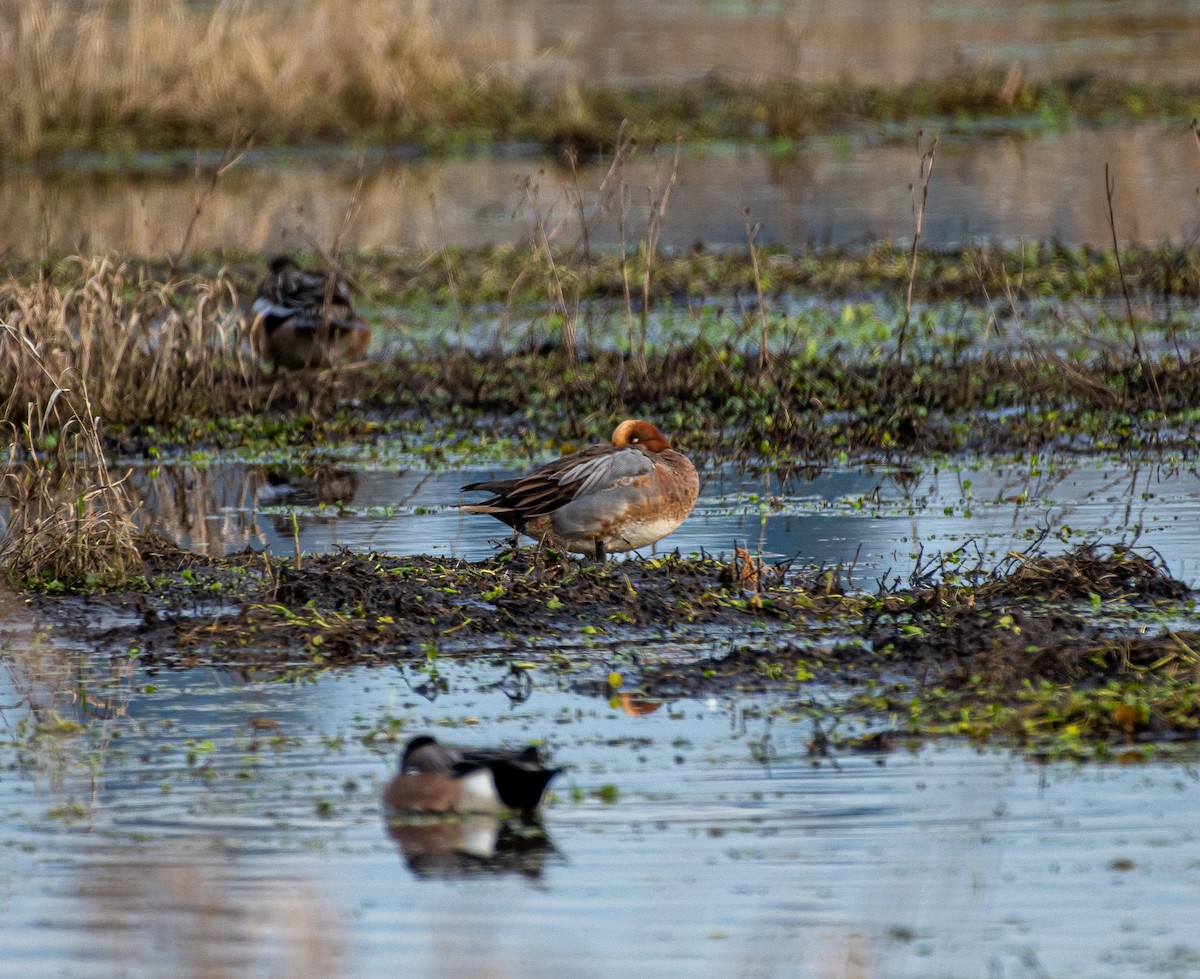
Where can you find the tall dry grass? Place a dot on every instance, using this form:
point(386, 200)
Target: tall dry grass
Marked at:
point(85, 341)
point(143, 349)
point(66, 523)
point(303, 68)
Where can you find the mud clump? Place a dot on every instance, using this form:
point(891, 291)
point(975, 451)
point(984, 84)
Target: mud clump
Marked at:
point(1020, 637)
point(1036, 617)
point(344, 608)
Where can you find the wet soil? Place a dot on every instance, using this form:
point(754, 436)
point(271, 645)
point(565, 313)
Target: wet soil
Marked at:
point(989, 651)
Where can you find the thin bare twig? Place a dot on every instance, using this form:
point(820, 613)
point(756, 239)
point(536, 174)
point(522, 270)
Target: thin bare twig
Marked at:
point(1110, 186)
point(764, 325)
point(919, 216)
point(542, 242)
point(231, 156)
point(658, 213)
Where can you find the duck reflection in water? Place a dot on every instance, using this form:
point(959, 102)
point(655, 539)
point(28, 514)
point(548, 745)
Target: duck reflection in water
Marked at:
point(471, 846)
point(458, 811)
point(308, 485)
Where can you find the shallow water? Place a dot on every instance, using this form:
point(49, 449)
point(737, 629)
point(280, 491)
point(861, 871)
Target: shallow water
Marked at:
point(198, 825)
point(874, 521)
point(841, 191)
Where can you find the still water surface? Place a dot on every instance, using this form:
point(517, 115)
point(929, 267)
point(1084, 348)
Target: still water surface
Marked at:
point(722, 850)
point(844, 191)
point(873, 518)
point(201, 823)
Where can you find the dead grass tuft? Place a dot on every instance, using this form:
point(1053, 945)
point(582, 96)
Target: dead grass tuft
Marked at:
point(91, 340)
point(1110, 572)
point(142, 349)
point(69, 524)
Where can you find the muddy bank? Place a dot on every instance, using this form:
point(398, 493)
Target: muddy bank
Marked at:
point(1068, 653)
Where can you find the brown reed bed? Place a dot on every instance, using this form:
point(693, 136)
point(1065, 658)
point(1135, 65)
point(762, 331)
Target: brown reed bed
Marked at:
point(89, 341)
point(117, 75)
point(66, 523)
point(143, 348)
point(171, 73)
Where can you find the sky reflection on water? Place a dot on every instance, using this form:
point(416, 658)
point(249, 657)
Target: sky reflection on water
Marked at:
point(724, 850)
point(875, 518)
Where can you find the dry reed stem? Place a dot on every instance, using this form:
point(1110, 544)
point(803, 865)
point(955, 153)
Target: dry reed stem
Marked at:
point(1110, 186)
point(544, 250)
point(230, 158)
point(919, 220)
point(658, 215)
point(764, 323)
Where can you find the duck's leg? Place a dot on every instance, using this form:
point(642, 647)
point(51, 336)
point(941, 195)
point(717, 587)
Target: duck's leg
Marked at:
point(601, 553)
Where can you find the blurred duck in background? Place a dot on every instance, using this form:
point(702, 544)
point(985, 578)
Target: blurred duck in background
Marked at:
point(304, 318)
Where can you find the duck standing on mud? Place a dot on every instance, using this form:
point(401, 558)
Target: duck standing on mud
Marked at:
point(445, 778)
point(305, 319)
point(611, 497)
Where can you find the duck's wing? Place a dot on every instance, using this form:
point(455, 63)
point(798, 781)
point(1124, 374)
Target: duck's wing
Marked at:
point(557, 483)
point(592, 475)
point(330, 323)
point(293, 288)
point(432, 758)
point(527, 759)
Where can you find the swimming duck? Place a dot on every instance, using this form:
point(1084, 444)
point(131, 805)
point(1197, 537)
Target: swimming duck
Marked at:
point(305, 319)
point(608, 498)
point(443, 778)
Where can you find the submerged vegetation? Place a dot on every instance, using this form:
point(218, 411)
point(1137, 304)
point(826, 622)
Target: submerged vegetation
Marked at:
point(136, 74)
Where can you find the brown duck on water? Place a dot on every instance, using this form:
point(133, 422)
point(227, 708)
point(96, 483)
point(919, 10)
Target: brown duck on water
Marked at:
point(304, 318)
point(443, 778)
point(611, 497)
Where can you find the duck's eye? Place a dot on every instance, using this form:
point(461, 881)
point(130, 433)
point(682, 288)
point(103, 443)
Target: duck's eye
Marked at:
point(634, 439)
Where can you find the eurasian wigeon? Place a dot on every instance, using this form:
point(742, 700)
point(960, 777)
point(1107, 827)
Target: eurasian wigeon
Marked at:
point(444, 778)
point(305, 319)
point(611, 497)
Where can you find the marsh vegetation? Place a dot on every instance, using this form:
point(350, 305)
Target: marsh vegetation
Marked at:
point(759, 357)
point(944, 548)
point(133, 75)
point(146, 359)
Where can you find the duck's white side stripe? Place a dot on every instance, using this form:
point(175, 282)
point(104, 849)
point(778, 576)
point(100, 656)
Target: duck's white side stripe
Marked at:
point(479, 793)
